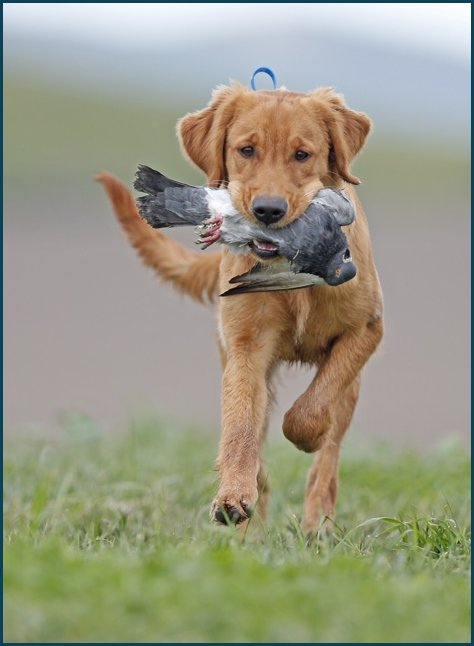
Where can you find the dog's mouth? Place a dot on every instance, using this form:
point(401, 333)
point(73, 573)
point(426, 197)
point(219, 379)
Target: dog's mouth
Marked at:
point(264, 249)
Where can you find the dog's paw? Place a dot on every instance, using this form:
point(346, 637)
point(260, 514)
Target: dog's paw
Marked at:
point(317, 526)
point(306, 430)
point(228, 509)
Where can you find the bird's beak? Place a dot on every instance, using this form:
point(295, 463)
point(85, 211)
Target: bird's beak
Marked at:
point(341, 274)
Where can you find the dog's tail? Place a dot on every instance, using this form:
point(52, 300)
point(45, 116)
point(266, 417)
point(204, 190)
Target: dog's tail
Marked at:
point(191, 272)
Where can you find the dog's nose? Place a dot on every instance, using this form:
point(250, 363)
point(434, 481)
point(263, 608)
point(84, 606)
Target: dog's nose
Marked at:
point(269, 209)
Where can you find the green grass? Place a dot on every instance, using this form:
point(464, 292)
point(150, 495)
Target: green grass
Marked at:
point(108, 539)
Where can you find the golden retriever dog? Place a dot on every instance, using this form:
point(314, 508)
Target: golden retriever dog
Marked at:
point(274, 150)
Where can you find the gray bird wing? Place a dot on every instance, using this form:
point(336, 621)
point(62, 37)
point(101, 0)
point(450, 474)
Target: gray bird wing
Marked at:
point(188, 202)
point(152, 209)
point(274, 277)
point(175, 206)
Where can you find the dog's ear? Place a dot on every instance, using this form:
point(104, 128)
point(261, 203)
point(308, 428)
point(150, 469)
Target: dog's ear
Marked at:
point(202, 134)
point(347, 130)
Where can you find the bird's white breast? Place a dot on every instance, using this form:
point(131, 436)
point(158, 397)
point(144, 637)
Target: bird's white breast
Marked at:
point(219, 202)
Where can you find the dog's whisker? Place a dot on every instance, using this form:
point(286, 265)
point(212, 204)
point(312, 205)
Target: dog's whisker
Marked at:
point(218, 184)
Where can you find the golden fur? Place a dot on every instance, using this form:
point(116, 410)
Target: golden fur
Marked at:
point(335, 329)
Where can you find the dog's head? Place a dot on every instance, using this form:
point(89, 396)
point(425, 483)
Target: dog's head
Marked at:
point(275, 149)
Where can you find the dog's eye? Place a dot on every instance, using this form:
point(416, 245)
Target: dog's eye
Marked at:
point(301, 155)
point(247, 151)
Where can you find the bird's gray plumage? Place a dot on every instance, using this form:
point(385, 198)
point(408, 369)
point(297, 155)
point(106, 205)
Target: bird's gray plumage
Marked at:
point(168, 203)
point(312, 250)
point(275, 277)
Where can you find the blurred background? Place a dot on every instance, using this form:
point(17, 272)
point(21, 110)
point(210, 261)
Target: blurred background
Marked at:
point(90, 87)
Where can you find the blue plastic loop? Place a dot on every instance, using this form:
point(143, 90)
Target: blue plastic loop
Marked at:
point(263, 70)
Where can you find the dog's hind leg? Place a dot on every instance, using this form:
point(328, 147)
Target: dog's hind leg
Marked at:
point(263, 490)
point(262, 477)
point(323, 478)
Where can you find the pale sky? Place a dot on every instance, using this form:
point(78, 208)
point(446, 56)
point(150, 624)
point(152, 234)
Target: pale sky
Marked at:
point(439, 27)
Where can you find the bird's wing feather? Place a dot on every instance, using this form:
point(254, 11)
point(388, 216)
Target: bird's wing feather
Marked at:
point(260, 271)
point(153, 211)
point(271, 278)
point(175, 206)
point(275, 283)
point(188, 202)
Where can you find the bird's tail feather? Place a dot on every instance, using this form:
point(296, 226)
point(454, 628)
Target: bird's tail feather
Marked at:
point(153, 210)
point(192, 273)
point(149, 180)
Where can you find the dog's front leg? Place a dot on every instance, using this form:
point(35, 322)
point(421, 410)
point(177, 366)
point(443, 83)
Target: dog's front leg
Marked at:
point(312, 415)
point(244, 410)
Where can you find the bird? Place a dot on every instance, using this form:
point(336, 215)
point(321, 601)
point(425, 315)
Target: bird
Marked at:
point(312, 250)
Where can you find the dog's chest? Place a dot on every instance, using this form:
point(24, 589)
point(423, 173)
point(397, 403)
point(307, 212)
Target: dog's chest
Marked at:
point(314, 323)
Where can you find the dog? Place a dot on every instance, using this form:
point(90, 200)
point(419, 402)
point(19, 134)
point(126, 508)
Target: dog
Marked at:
point(274, 150)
